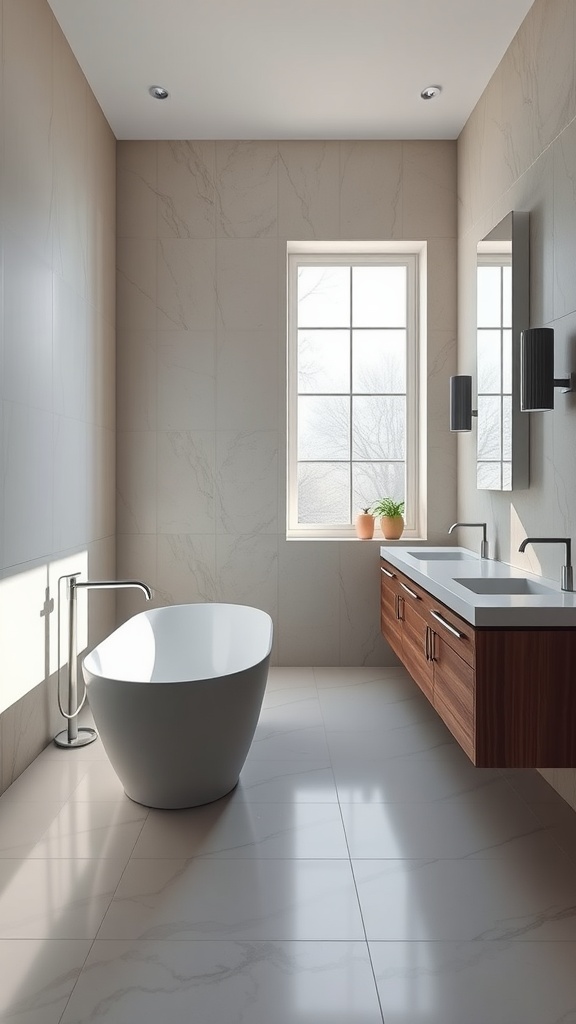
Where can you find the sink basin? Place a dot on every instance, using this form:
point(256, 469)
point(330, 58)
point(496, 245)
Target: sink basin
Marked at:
point(441, 556)
point(503, 585)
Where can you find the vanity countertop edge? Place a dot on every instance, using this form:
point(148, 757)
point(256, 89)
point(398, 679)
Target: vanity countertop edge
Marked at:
point(505, 611)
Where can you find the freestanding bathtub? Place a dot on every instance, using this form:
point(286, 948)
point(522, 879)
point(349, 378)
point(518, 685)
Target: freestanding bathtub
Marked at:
point(176, 693)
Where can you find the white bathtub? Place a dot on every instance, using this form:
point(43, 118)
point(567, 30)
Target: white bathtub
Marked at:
point(176, 693)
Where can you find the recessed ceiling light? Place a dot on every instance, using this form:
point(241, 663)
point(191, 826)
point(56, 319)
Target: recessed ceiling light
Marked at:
point(430, 92)
point(158, 92)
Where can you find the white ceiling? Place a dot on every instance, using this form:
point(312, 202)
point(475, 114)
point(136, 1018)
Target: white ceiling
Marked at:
point(288, 69)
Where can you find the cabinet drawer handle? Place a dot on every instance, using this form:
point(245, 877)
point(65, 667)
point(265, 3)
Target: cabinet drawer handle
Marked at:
point(427, 644)
point(451, 629)
point(411, 592)
point(386, 572)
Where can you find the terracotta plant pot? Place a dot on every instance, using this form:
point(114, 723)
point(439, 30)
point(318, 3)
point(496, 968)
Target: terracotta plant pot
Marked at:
point(392, 527)
point(364, 526)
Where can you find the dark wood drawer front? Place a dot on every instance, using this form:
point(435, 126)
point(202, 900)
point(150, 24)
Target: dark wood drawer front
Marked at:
point(414, 648)
point(454, 693)
point(459, 635)
point(390, 623)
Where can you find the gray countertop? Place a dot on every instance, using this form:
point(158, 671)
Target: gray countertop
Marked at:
point(454, 572)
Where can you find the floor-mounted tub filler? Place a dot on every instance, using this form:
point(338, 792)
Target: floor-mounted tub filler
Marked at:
point(176, 694)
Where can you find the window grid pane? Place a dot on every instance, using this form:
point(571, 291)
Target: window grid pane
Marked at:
point(351, 450)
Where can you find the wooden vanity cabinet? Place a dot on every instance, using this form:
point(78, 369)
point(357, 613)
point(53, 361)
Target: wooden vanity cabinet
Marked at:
point(508, 696)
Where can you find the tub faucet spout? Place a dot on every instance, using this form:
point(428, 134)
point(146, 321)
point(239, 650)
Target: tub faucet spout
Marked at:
point(70, 737)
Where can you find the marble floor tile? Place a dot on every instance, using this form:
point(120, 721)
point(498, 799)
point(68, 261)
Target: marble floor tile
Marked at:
point(281, 678)
point(22, 825)
point(286, 782)
point(92, 829)
point(47, 780)
point(484, 823)
point(423, 738)
point(362, 871)
point(375, 713)
point(38, 977)
point(56, 899)
point(284, 745)
point(533, 898)
point(329, 678)
point(476, 982)
point(279, 697)
point(238, 830)
point(368, 781)
point(99, 782)
point(231, 899)
point(287, 717)
point(225, 983)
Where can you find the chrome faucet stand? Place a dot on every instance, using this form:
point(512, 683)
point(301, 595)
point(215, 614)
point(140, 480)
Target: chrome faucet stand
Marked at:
point(75, 735)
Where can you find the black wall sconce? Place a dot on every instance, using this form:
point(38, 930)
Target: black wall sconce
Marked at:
point(537, 380)
point(461, 411)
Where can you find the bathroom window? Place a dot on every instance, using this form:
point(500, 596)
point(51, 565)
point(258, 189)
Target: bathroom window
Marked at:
point(353, 376)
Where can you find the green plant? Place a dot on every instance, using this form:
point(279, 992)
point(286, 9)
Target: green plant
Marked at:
point(388, 507)
point(367, 511)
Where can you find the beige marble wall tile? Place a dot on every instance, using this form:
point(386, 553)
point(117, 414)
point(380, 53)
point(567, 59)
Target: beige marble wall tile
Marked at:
point(563, 780)
point(101, 370)
point(28, 100)
point(101, 467)
point(186, 194)
point(186, 380)
point(136, 482)
point(442, 277)
point(564, 153)
point(247, 482)
point(539, 89)
point(309, 190)
point(371, 190)
point(361, 642)
point(136, 284)
point(70, 501)
point(246, 189)
point(247, 571)
point(69, 351)
point(247, 371)
point(137, 189)
point(27, 323)
point(308, 616)
point(429, 206)
point(186, 568)
point(186, 284)
point(136, 373)
point(28, 483)
point(70, 145)
point(247, 284)
point(57, 349)
point(186, 486)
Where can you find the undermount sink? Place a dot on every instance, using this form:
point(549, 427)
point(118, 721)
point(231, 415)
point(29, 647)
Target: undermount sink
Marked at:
point(441, 556)
point(503, 585)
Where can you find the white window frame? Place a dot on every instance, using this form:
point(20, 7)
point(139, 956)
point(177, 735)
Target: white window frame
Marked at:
point(413, 256)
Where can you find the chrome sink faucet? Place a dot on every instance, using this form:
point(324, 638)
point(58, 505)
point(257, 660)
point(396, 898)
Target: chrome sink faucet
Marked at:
point(566, 577)
point(483, 543)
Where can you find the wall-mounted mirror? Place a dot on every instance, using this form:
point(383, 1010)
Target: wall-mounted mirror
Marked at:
point(502, 307)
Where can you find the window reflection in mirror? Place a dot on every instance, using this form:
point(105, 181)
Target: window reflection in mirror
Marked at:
point(502, 313)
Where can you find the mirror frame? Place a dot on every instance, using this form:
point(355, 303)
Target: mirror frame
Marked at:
point(516, 226)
